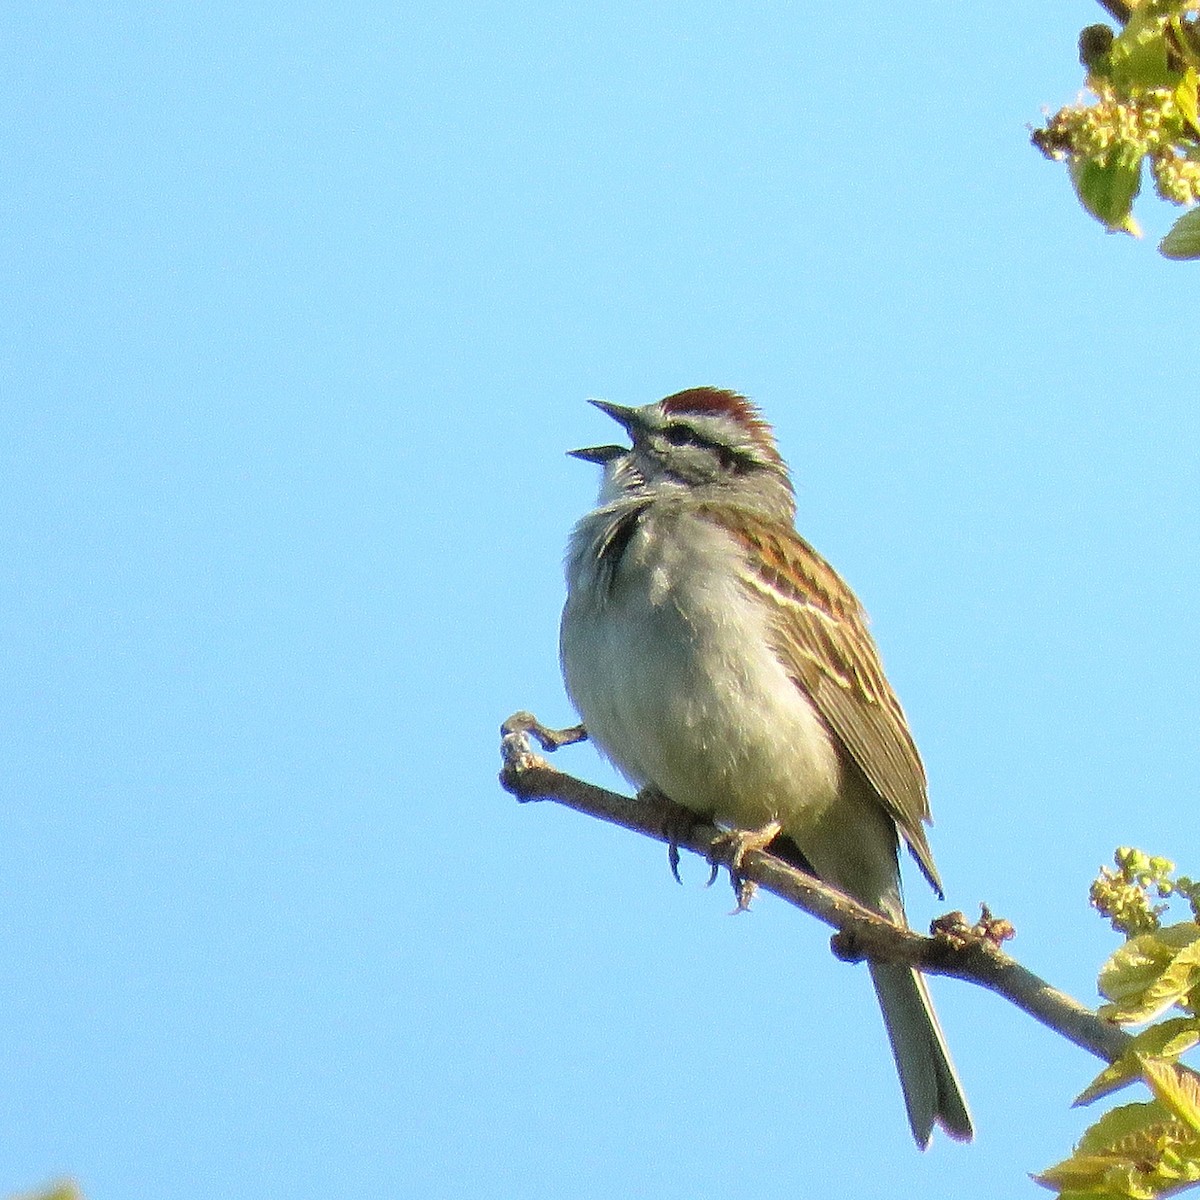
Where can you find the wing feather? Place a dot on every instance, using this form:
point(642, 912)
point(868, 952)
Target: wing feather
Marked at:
point(821, 637)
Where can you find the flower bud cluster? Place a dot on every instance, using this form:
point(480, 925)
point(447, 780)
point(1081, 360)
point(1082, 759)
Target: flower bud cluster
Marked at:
point(1123, 895)
point(1092, 130)
point(1176, 177)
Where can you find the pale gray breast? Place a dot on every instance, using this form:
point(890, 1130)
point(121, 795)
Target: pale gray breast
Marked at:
point(667, 658)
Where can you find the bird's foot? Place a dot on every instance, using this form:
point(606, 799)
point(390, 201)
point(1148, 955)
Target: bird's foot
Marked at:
point(731, 848)
point(547, 738)
point(518, 757)
point(678, 825)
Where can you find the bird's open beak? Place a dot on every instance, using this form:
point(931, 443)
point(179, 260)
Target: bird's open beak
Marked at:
point(599, 454)
point(628, 418)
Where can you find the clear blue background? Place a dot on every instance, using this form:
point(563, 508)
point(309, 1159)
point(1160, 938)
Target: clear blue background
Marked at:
point(301, 307)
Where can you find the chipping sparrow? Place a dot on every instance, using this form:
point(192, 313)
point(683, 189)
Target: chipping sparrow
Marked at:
point(715, 657)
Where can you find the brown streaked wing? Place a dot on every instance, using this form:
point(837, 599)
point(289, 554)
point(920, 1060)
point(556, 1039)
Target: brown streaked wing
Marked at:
point(822, 639)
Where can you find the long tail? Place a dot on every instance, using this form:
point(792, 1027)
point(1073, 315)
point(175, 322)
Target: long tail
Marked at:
point(932, 1092)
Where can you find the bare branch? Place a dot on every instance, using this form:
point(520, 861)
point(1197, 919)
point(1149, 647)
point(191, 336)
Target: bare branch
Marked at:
point(956, 948)
point(1117, 9)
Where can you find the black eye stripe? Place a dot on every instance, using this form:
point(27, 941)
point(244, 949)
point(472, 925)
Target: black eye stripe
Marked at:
point(679, 434)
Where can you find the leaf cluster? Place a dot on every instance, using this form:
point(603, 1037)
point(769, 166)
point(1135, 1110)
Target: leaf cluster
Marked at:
point(1139, 108)
point(65, 1190)
point(1143, 1150)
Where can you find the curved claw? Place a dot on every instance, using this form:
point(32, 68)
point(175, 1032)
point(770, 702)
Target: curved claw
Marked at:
point(678, 825)
point(736, 844)
point(547, 738)
point(673, 860)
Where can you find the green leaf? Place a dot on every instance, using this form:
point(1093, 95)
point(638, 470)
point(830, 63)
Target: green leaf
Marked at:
point(1138, 57)
point(1125, 1128)
point(1107, 185)
point(1180, 977)
point(1151, 972)
point(1185, 98)
point(1176, 1088)
point(62, 1191)
point(1092, 1194)
point(1167, 1040)
point(1085, 1174)
point(1183, 241)
point(1132, 1153)
point(1186, 40)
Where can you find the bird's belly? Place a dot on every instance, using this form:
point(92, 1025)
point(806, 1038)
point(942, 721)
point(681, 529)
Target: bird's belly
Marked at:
point(699, 707)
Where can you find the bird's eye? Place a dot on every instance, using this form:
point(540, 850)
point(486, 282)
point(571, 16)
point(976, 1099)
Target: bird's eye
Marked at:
point(677, 435)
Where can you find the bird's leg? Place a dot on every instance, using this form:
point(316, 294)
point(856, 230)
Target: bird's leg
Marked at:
point(678, 825)
point(733, 846)
point(516, 753)
point(548, 739)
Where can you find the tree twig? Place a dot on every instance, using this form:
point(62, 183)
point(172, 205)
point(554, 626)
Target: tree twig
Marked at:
point(1117, 9)
point(956, 948)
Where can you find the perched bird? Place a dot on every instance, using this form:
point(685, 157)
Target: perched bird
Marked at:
point(716, 658)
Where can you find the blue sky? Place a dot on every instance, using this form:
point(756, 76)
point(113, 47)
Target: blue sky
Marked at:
point(302, 307)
